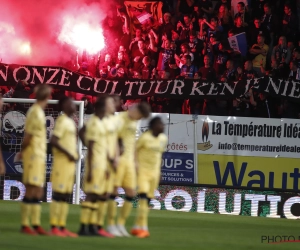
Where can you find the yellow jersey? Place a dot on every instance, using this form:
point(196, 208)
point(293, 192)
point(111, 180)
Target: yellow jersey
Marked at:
point(65, 131)
point(127, 133)
point(35, 125)
point(149, 151)
point(111, 124)
point(95, 131)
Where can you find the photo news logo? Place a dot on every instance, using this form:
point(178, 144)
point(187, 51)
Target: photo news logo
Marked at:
point(205, 133)
point(279, 239)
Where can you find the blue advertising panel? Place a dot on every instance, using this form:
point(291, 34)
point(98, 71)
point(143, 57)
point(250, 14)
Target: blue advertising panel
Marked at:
point(177, 168)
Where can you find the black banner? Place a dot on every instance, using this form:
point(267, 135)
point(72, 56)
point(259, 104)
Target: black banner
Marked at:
point(62, 78)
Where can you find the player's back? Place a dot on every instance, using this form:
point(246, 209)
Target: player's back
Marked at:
point(149, 150)
point(65, 130)
point(127, 133)
point(95, 131)
point(35, 125)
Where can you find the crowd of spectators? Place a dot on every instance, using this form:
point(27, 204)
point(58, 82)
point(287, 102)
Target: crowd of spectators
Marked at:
point(191, 42)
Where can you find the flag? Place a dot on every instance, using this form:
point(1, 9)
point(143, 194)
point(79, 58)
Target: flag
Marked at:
point(239, 43)
point(144, 17)
point(143, 14)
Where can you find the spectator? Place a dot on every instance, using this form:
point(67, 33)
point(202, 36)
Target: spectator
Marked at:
point(125, 38)
point(255, 30)
point(175, 43)
point(248, 73)
point(196, 15)
point(214, 27)
point(289, 24)
point(234, 6)
point(207, 73)
point(188, 70)
point(139, 55)
point(275, 71)
point(88, 106)
point(225, 19)
point(185, 49)
point(258, 8)
point(105, 67)
point(58, 94)
point(263, 105)
point(121, 66)
point(147, 69)
point(227, 3)
point(84, 69)
point(166, 54)
point(241, 12)
point(125, 54)
point(22, 90)
point(269, 22)
point(230, 74)
point(129, 103)
point(133, 47)
point(206, 6)
point(196, 46)
point(241, 106)
point(211, 48)
point(221, 59)
point(260, 50)
point(294, 72)
point(238, 26)
point(202, 34)
point(9, 94)
point(184, 7)
point(166, 27)
point(184, 28)
point(282, 54)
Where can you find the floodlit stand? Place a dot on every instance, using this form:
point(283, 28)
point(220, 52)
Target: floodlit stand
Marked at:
point(80, 124)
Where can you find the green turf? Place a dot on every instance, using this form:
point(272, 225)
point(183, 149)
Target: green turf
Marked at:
point(169, 230)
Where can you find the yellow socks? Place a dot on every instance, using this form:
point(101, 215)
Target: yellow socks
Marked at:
point(55, 208)
point(86, 210)
point(124, 213)
point(64, 210)
point(102, 210)
point(25, 213)
point(142, 214)
point(111, 212)
point(94, 214)
point(36, 214)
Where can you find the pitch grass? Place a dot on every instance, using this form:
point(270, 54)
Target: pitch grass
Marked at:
point(169, 230)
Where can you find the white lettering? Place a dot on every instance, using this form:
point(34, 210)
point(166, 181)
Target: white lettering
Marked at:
point(141, 87)
point(178, 87)
point(196, 88)
point(27, 72)
point(2, 74)
point(39, 76)
point(53, 76)
point(65, 77)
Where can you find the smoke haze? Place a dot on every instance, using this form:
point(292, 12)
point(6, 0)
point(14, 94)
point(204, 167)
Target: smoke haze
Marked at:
point(29, 29)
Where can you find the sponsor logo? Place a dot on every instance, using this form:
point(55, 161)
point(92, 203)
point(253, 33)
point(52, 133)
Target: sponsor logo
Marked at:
point(249, 172)
point(12, 130)
point(205, 133)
